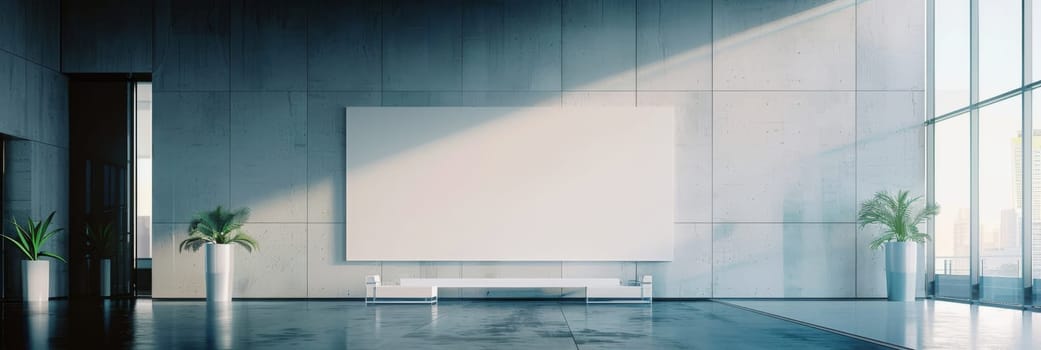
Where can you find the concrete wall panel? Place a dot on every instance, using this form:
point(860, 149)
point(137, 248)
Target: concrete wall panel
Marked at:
point(783, 45)
point(344, 45)
point(327, 154)
point(890, 53)
point(783, 260)
point(13, 96)
point(511, 45)
point(783, 157)
point(268, 150)
point(890, 157)
point(191, 152)
point(192, 45)
point(278, 269)
point(422, 45)
point(268, 45)
point(93, 42)
point(689, 274)
point(599, 45)
point(693, 150)
point(674, 45)
point(329, 275)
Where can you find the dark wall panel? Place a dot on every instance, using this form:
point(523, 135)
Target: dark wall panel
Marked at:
point(422, 45)
point(14, 120)
point(43, 36)
point(674, 45)
point(13, 26)
point(344, 45)
point(599, 41)
point(327, 152)
point(511, 45)
point(47, 103)
point(191, 45)
point(190, 136)
point(268, 45)
point(106, 36)
point(269, 155)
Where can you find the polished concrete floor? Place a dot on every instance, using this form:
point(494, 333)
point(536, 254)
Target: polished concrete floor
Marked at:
point(924, 324)
point(451, 325)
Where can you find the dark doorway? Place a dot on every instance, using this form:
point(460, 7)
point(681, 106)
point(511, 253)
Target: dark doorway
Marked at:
point(101, 168)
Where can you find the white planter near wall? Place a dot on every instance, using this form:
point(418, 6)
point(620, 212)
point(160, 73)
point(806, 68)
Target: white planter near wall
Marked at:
point(219, 271)
point(901, 270)
point(36, 280)
point(105, 282)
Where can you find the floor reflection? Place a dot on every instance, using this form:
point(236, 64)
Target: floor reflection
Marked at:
point(451, 324)
point(38, 324)
point(219, 332)
point(924, 324)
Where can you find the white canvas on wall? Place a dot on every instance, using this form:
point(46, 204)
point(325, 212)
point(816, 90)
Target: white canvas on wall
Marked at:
point(510, 184)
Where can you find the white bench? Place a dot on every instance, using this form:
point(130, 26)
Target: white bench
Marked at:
point(376, 292)
point(424, 290)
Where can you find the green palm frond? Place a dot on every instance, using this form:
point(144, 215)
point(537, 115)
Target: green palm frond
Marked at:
point(897, 215)
point(33, 236)
point(195, 241)
point(218, 226)
point(245, 241)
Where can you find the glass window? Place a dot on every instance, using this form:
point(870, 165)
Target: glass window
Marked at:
point(1000, 202)
point(1036, 41)
point(143, 183)
point(1035, 202)
point(951, 62)
point(952, 194)
point(1001, 47)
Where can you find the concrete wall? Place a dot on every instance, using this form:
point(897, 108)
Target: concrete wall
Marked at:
point(34, 115)
point(106, 36)
point(790, 113)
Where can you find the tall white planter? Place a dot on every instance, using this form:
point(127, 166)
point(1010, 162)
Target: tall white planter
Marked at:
point(105, 282)
point(901, 270)
point(219, 271)
point(36, 280)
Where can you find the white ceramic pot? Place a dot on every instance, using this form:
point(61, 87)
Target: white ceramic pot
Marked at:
point(901, 270)
point(219, 271)
point(105, 283)
point(36, 280)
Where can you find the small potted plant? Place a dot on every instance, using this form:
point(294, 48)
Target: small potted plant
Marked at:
point(899, 217)
point(218, 230)
point(100, 244)
point(36, 273)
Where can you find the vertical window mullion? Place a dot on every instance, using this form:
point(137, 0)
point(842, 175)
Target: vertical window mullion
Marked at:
point(1027, 158)
point(974, 122)
point(930, 157)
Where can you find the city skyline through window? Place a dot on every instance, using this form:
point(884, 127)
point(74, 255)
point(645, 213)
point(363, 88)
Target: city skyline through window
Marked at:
point(980, 99)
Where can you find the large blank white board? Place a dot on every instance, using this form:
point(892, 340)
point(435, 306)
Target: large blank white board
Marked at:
point(510, 184)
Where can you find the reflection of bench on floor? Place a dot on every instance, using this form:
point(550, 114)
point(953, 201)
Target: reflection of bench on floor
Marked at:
point(424, 290)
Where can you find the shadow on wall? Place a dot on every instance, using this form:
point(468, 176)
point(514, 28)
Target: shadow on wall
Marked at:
point(666, 45)
point(668, 54)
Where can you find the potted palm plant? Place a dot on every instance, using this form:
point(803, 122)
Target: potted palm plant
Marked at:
point(100, 243)
point(218, 230)
point(36, 273)
point(899, 217)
